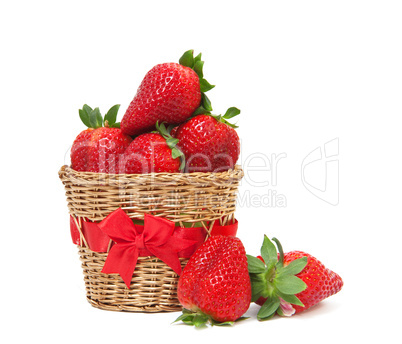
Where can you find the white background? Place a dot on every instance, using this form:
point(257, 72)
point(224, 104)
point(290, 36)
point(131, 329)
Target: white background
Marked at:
point(303, 73)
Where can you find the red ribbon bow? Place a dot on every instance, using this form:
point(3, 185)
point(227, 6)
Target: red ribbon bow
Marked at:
point(154, 238)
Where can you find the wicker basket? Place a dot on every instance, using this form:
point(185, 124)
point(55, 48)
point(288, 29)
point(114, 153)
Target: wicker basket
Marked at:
point(184, 198)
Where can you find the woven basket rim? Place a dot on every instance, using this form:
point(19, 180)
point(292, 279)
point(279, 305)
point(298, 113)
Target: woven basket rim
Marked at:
point(193, 178)
point(67, 169)
point(180, 197)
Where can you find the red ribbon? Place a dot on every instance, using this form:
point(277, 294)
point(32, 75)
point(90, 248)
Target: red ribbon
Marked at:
point(94, 237)
point(157, 237)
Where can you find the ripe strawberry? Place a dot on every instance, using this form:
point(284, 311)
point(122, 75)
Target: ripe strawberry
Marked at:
point(209, 143)
point(152, 152)
point(98, 148)
point(169, 92)
point(215, 285)
point(289, 283)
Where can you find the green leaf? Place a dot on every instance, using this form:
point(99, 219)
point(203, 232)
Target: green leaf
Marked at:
point(227, 323)
point(259, 287)
point(115, 125)
point(200, 320)
point(268, 317)
point(255, 265)
point(269, 253)
point(84, 118)
point(184, 316)
point(199, 111)
point(87, 109)
point(183, 163)
point(231, 112)
point(234, 126)
point(84, 115)
point(176, 153)
point(198, 68)
point(205, 102)
point(191, 318)
point(293, 299)
point(294, 267)
point(161, 128)
point(289, 284)
point(187, 59)
point(197, 58)
point(268, 308)
point(95, 118)
point(170, 127)
point(112, 114)
point(205, 86)
point(217, 323)
point(172, 142)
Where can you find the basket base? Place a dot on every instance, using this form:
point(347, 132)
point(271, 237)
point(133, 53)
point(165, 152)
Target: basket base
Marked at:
point(153, 286)
point(128, 308)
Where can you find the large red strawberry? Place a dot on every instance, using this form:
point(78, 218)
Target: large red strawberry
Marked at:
point(289, 283)
point(169, 92)
point(99, 148)
point(209, 143)
point(215, 284)
point(152, 152)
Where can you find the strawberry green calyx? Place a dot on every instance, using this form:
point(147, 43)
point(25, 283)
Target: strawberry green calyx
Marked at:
point(195, 63)
point(230, 113)
point(273, 281)
point(171, 142)
point(92, 118)
point(200, 319)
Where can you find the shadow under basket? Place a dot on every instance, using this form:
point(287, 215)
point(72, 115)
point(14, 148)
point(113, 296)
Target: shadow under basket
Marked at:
point(188, 199)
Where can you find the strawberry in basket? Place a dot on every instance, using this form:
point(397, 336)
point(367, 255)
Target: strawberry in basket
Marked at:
point(99, 148)
point(169, 92)
point(289, 283)
point(153, 152)
point(209, 142)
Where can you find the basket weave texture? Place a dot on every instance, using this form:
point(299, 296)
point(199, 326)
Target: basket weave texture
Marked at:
point(189, 199)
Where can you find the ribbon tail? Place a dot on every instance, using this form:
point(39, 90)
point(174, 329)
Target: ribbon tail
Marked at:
point(122, 259)
point(168, 253)
point(168, 257)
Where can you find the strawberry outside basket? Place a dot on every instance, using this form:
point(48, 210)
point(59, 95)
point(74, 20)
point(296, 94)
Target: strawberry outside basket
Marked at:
point(193, 201)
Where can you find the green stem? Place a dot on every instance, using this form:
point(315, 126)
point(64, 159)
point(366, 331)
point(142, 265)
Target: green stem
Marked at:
point(280, 249)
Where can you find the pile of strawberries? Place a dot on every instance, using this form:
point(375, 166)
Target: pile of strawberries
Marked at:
point(168, 127)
